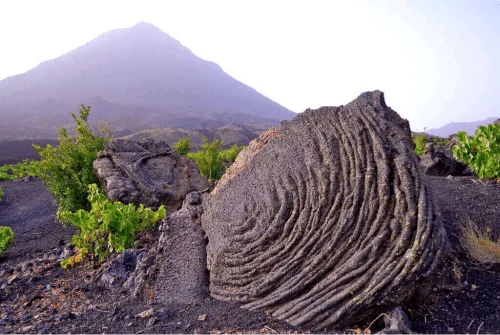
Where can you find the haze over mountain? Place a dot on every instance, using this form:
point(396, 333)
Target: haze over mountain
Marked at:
point(455, 127)
point(136, 78)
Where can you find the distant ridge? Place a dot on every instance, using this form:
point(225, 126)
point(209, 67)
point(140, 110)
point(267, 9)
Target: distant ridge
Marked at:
point(229, 134)
point(137, 78)
point(455, 127)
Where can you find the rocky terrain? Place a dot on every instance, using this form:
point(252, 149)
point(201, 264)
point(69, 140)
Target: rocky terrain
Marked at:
point(15, 150)
point(324, 224)
point(44, 298)
point(230, 134)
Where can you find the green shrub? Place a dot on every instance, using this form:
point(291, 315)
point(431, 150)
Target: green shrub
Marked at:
point(422, 139)
point(20, 170)
point(439, 140)
point(108, 226)
point(231, 153)
point(1, 194)
point(420, 142)
point(481, 152)
point(6, 238)
point(208, 159)
point(67, 169)
point(182, 146)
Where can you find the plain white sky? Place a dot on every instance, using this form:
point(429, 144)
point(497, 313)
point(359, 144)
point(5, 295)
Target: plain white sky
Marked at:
point(437, 61)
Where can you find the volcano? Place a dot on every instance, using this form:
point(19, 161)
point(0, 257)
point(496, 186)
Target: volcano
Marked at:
point(136, 78)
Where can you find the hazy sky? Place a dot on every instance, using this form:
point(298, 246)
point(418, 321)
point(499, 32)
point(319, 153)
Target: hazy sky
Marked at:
point(437, 61)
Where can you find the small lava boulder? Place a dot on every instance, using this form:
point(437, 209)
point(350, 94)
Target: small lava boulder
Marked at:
point(326, 219)
point(146, 172)
point(440, 162)
point(120, 269)
point(175, 271)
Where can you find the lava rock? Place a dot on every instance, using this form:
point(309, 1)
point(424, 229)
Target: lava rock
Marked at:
point(326, 219)
point(436, 162)
point(146, 172)
point(396, 322)
point(146, 314)
point(175, 271)
point(120, 269)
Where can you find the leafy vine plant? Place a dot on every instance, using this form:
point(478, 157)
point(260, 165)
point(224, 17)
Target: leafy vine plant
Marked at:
point(6, 238)
point(108, 227)
point(481, 152)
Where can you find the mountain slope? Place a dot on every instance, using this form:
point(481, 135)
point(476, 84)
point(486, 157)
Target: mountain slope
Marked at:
point(229, 134)
point(455, 127)
point(130, 74)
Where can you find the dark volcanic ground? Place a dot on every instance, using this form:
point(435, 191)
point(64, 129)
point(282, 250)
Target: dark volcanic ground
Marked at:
point(27, 207)
point(14, 150)
point(476, 305)
point(36, 295)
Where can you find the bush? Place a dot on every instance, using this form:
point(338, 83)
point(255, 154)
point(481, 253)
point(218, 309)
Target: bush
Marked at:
point(420, 141)
point(6, 238)
point(231, 153)
point(479, 243)
point(20, 170)
point(481, 152)
point(67, 169)
point(182, 146)
point(208, 159)
point(439, 140)
point(1, 194)
point(108, 226)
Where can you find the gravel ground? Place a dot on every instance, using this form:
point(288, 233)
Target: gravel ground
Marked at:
point(36, 295)
point(474, 307)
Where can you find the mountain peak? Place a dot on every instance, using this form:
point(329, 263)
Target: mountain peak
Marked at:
point(141, 30)
point(144, 24)
point(146, 27)
point(132, 71)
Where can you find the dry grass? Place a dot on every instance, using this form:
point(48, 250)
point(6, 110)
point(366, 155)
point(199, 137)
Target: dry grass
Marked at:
point(480, 243)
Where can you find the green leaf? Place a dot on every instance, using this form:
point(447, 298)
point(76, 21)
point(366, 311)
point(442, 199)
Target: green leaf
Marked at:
point(481, 152)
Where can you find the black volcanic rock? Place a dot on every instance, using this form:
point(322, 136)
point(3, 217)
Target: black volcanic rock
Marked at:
point(324, 220)
point(175, 270)
point(147, 172)
point(137, 78)
point(440, 162)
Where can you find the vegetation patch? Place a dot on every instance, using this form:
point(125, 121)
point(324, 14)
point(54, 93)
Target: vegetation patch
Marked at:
point(421, 139)
point(67, 169)
point(183, 146)
point(231, 153)
point(27, 167)
point(480, 244)
point(108, 226)
point(6, 238)
point(209, 159)
point(481, 152)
